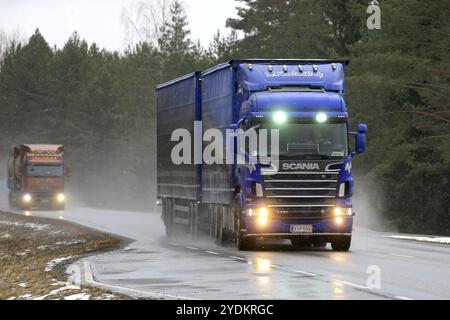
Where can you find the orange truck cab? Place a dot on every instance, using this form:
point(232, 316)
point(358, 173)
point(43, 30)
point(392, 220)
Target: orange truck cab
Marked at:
point(36, 177)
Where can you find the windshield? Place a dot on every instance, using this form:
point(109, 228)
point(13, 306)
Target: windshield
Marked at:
point(311, 140)
point(44, 171)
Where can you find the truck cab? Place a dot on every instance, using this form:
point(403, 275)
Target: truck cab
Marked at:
point(307, 195)
point(36, 177)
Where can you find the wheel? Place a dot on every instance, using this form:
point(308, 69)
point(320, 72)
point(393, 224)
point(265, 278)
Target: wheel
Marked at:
point(193, 213)
point(300, 243)
point(341, 243)
point(219, 225)
point(168, 217)
point(246, 244)
point(59, 207)
point(11, 202)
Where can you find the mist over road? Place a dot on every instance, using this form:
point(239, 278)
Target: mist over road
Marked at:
point(199, 269)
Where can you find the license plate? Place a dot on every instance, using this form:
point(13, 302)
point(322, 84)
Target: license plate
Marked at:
point(302, 228)
point(45, 201)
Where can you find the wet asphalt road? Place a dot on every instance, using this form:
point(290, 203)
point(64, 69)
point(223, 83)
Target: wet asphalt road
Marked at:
point(201, 270)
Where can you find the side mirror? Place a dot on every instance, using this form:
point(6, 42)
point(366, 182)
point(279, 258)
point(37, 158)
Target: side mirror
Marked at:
point(360, 143)
point(362, 128)
point(360, 139)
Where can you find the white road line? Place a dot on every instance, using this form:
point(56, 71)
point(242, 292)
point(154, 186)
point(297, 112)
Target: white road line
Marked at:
point(306, 273)
point(401, 255)
point(212, 252)
point(353, 285)
point(403, 298)
point(238, 258)
point(192, 248)
point(89, 279)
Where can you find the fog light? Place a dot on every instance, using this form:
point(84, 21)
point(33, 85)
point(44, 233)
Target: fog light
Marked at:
point(27, 198)
point(262, 220)
point(61, 197)
point(339, 220)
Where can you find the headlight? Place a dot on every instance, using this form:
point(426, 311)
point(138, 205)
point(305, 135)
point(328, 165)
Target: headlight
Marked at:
point(261, 215)
point(61, 197)
point(259, 212)
point(343, 212)
point(27, 198)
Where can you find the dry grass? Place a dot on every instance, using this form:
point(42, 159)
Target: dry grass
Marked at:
point(28, 244)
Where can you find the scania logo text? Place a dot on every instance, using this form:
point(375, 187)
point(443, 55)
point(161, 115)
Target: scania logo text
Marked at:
point(301, 166)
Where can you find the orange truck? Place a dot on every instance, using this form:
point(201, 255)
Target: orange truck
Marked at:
point(36, 177)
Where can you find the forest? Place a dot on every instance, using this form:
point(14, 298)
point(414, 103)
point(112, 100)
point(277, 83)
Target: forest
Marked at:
point(101, 104)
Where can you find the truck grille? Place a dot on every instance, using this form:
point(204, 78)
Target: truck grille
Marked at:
point(301, 194)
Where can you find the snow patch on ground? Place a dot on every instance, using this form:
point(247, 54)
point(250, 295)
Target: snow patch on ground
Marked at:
point(57, 291)
point(74, 273)
point(51, 264)
point(5, 236)
point(441, 240)
point(30, 225)
point(78, 296)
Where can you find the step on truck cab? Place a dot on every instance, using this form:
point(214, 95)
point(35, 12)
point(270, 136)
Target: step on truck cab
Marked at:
point(36, 177)
point(304, 196)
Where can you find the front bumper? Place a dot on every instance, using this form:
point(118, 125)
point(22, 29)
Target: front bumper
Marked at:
point(326, 227)
point(43, 200)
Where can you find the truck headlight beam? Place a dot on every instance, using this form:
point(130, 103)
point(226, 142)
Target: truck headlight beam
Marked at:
point(321, 117)
point(280, 117)
point(61, 197)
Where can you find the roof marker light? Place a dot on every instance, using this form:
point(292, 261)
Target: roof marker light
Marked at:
point(315, 68)
point(270, 68)
point(280, 117)
point(250, 67)
point(285, 68)
point(333, 66)
point(321, 117)
point(300, 68)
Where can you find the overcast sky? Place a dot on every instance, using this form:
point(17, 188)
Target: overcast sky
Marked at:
point(100, 20)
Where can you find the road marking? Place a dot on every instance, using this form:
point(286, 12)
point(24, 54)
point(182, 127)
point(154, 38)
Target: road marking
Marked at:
point(306, 273)
point(89, 279)
point(353, 285)
point(212, 252)
point(401, 255)
point(192, 248)
point(238, 258)
point(403, 298)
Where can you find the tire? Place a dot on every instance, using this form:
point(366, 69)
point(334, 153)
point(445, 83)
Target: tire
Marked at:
point(11, 203)
point(193, 212)
point(168, 217)
point(246, 244)
point(220, 239)
point(59, 207)
point(341, 243)
point(243, 243)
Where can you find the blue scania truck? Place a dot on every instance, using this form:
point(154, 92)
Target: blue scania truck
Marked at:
point(305, 197)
